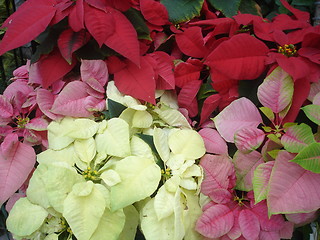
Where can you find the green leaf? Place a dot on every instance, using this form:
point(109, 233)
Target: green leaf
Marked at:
point(260, 180)
point(274, 138)
point(206, 90)
point(148, 139)
point(139, 179)
point(83, 209)
point(274, 153)
point(244, 165)
point(248, 6)
point(92, 51)
point(137, 20)
point(268, 113)
point(182, 10)
point(309, 158)
point(228, 8)
point(276, 91)
point(115, 108)
point(48, 40)
point(313, 112)
point(308, 3)
point(289, 124)
point(266, 129)
point(297, 138)
point(25, 218)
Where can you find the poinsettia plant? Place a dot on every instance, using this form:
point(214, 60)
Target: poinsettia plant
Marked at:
point(162, 119)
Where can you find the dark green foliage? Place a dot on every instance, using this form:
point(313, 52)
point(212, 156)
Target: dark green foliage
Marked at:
point(228, 8)
point(115, 108)
point(137, 20)
point(182, 10)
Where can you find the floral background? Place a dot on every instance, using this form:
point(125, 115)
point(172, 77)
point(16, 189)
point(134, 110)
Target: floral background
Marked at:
point(161, 120)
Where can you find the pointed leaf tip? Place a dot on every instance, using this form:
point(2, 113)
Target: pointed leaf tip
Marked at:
point(124, 40)
point(276, 91)
point(24, 27)
point(297, 138)
point(309, 157)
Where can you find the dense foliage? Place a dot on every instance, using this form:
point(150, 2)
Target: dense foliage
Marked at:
point(167, 119)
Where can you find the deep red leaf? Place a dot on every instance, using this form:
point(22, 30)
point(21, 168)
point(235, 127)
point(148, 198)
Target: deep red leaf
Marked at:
point(300, 94)
point(294, 66)
point(188, 95)
point(100, 4)
point(209, 105)
point(246, 19)
point(70, 41)
point(164, 68)
point(300, 15)
point(187, 71)
point(27, 23)
point(100, 24)
point(207, 12)
point(115, 64)
point(124, 40)
point(241, 57)
point(52, 67)
point(286, 22)
point(191, 42)
point(311, 40)
point(154, 12)
point(76, 16)
point(122, 5)
point(137, 81)
point(63, 9)
point(221, 82)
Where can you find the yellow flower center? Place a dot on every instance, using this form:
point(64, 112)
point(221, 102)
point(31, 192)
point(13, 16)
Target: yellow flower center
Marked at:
point(90, 174)
point(288, 50)
point(238, 200)
point(21, 122)
point(166, 174)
